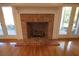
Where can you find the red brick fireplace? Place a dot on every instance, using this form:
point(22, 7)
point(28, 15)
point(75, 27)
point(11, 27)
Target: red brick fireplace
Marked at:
point(36, 26)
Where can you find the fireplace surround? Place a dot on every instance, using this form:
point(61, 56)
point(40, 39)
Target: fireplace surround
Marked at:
point(36, 26)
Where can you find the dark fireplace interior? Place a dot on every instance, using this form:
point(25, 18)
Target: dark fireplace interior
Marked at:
point(37, 29)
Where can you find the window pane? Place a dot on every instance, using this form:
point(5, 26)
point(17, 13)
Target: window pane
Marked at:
point(75, 28)
point(1, 32)
point(9, 21)
point(66, 12)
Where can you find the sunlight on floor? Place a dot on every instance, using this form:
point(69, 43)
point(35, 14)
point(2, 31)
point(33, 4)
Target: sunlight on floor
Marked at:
point(69, 45)
point(1, 44)
point(62, 45)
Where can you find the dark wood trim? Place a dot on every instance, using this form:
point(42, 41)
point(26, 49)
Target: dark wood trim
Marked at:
point(8, 40)
point(59, 39)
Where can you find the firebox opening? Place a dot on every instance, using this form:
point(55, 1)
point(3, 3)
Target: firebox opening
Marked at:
point(37, 29)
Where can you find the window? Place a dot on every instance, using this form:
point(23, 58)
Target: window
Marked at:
point(1, 32)
point(66, 12)
point(8, 17)
point(75, 28)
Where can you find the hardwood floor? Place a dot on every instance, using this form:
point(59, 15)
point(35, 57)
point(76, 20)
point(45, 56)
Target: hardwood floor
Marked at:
point(63, 48)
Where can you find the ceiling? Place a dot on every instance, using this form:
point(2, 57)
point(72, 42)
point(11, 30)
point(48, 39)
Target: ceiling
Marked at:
point(35, 4)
